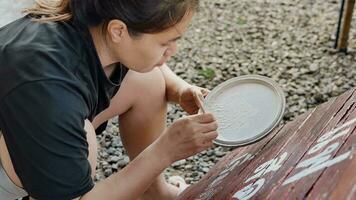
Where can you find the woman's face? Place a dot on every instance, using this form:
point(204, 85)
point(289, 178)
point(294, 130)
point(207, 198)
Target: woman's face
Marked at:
point(146, 51)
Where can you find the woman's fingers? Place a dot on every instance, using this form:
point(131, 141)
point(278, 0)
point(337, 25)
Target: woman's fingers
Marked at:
point(203, 118)
point(206, 138)
point(206, 145)
point(207, 127)
point(204, 92)
point(212, 135)
point(198, 98)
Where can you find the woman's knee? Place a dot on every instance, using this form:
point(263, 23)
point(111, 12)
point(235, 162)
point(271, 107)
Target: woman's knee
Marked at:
point(150, 85)
point(151, 92)
point(138, 91)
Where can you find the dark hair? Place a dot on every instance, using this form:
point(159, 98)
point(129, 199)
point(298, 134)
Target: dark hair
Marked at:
point(140, 16)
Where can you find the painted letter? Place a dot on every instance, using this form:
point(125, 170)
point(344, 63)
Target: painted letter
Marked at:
point(234, 163)
point(250, 190)
point(269, 166)
point(318, 162)
point(325, 141)
point(332, 132)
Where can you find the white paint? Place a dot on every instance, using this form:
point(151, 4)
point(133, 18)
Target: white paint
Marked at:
point(233, 114)
point(250, 190)
point(323, 159)
point(241, 110)
point(269, 166)
point(318, 162)
point(207, 195)
point(320, 158)
point(236, 162)
point(329, 134)
point(218, 179)
point(326, 141)
point(211, 189)
point(231, 166)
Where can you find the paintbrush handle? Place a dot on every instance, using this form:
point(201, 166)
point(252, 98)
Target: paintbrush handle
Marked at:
point(202, 106)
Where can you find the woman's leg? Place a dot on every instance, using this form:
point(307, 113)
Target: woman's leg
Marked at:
point(142, 108)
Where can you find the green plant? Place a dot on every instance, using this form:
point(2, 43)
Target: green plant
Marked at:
point(208, 73)
point(241, 21)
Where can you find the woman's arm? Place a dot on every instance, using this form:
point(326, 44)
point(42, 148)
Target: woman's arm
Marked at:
point(185, 137)
point(173, 84)
point(133, 180)
point(178, 91)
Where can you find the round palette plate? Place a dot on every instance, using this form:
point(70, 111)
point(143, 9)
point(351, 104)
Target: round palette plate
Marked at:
point(247, 108)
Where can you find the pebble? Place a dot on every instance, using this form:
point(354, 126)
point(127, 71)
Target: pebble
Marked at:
point(114, 158)
point(179, 163)
point(314, 67)
point(108, 172)
point(123, 161)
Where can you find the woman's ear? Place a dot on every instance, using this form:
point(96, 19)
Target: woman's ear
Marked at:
point(117, 29)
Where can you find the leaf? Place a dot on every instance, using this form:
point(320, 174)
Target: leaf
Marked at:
point(208, 73)
point(241, 21)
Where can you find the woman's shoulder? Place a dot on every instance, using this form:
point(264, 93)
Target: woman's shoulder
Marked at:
point(43, 48)
point(31, 51)
point(48, 37)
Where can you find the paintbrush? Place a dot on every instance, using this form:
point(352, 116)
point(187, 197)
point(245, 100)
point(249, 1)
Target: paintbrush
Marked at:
point(202, 106)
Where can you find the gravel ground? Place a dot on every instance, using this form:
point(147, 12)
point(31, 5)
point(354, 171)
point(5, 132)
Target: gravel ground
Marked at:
point(289, 41)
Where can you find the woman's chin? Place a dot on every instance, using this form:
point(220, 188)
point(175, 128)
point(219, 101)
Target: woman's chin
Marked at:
point(159, 64)
point(144, 70)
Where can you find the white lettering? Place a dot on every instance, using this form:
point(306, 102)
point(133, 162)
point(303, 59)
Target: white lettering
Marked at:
point(208, 194)
point(325, 141)
point(250, 190)
point(218, 180)
point(269, 166)
point(318, 162)
point(234, 163)
point(329, 134)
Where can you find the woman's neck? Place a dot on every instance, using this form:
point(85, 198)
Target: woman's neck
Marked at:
point(107, 60)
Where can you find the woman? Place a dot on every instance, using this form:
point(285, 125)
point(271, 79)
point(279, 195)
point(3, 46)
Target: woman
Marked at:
point(69, 66)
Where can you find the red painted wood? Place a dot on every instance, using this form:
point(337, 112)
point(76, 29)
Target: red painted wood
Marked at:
point(262, 170)
point(343, 174)
point(300, 188)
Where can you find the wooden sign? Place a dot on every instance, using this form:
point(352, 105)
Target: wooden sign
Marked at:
point(312, 157)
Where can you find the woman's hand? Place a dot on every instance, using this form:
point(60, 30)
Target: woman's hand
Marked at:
point(181, 92)
point(187, 136)
point(189, 98)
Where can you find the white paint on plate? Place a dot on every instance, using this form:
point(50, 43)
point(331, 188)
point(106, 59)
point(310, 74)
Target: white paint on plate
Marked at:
point(244, 110)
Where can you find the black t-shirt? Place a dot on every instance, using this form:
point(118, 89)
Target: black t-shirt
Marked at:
point(51, 80)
